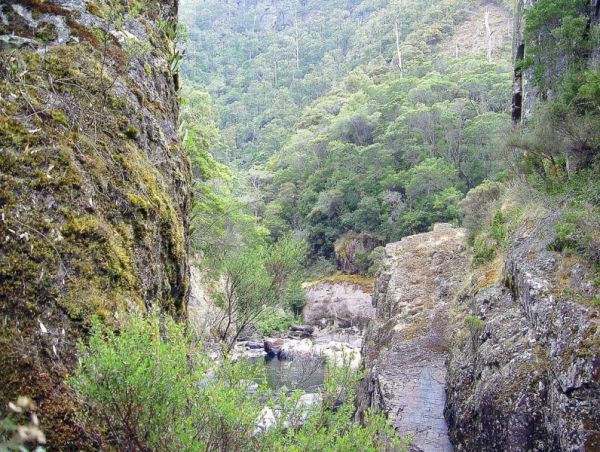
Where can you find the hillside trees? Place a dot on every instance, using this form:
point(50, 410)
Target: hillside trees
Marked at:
point(311, 97)
point(561, 37)
point(391, 156)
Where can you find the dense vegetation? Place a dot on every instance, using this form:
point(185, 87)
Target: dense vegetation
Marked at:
point(151, 388)
point(351, 117)
point(554, 150)
point(317, 132)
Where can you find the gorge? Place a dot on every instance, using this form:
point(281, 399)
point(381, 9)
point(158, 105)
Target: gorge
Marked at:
point(300, 225)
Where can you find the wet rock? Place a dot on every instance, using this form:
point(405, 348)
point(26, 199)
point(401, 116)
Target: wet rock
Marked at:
point(302, 331)
point(254, 345)
point(273, 347)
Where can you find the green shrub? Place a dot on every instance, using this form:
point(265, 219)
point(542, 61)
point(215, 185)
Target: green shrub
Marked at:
point(136, 385)
point(475, 207)
point(475, 327)
point(498, 228)
point(147, 387)
point(483, 250)
point(275, 319)
point(295, 298)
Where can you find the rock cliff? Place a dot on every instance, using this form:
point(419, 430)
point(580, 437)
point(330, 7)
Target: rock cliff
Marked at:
point(500, 357)
point(406, 347)
point(525, 94)
point(524, 367)
point(94, 188)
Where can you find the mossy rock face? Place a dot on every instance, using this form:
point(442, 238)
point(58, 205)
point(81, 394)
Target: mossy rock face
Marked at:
point(93, 215)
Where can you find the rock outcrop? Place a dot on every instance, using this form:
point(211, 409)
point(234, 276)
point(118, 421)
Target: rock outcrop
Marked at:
point(406, 346)
point(94, 187)
point(338, 304)
point(524, 367)
point(525, 94)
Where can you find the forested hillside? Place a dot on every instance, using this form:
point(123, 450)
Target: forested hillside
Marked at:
point(365, 117)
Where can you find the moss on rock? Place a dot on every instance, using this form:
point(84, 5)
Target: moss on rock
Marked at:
point(93, 215)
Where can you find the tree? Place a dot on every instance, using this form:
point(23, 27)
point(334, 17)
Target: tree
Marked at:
point(253, 279)
point(429, 177)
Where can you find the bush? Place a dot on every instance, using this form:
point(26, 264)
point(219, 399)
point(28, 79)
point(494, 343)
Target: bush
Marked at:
point(498, 229)
point(137, 384)
point(475, 326)
point(275, 319)
point(483, 250)
point(149, 388)
point(475, 207)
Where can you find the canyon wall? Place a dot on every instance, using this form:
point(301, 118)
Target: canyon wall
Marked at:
point(406, 346)
point(95, 189)
point(524, 367)
point(501, 356)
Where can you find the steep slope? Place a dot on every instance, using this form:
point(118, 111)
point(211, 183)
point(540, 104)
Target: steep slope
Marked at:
point(94, 188)
point(406, 346)
point(265, 61)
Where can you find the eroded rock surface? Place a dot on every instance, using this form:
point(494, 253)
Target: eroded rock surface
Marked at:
point(525, 375)
point(407, 344)
point(95, 190)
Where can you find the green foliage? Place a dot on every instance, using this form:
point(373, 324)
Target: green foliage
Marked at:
point(272, 319)
point(338, 139)
point(475, 327)
point(136, 382)
point(148, 387)
point(577, 230)
point(483, 249)
point(560, 39)
point(498, 230)
point(413, 169)
point(488, 237)
point(255, 277)
point(556, 29)
point(475, 207)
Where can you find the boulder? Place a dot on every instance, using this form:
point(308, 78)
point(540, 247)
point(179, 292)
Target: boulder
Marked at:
point(302, 331)
point(339, 304)
point(273, 347)
point(254, 345)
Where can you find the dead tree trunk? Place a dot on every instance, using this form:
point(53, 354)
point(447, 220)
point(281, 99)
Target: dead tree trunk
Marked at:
point(489, 34)
point(398, 50)
point(297, 42)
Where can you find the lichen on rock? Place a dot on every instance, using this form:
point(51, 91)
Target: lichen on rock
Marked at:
point(528, 378)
